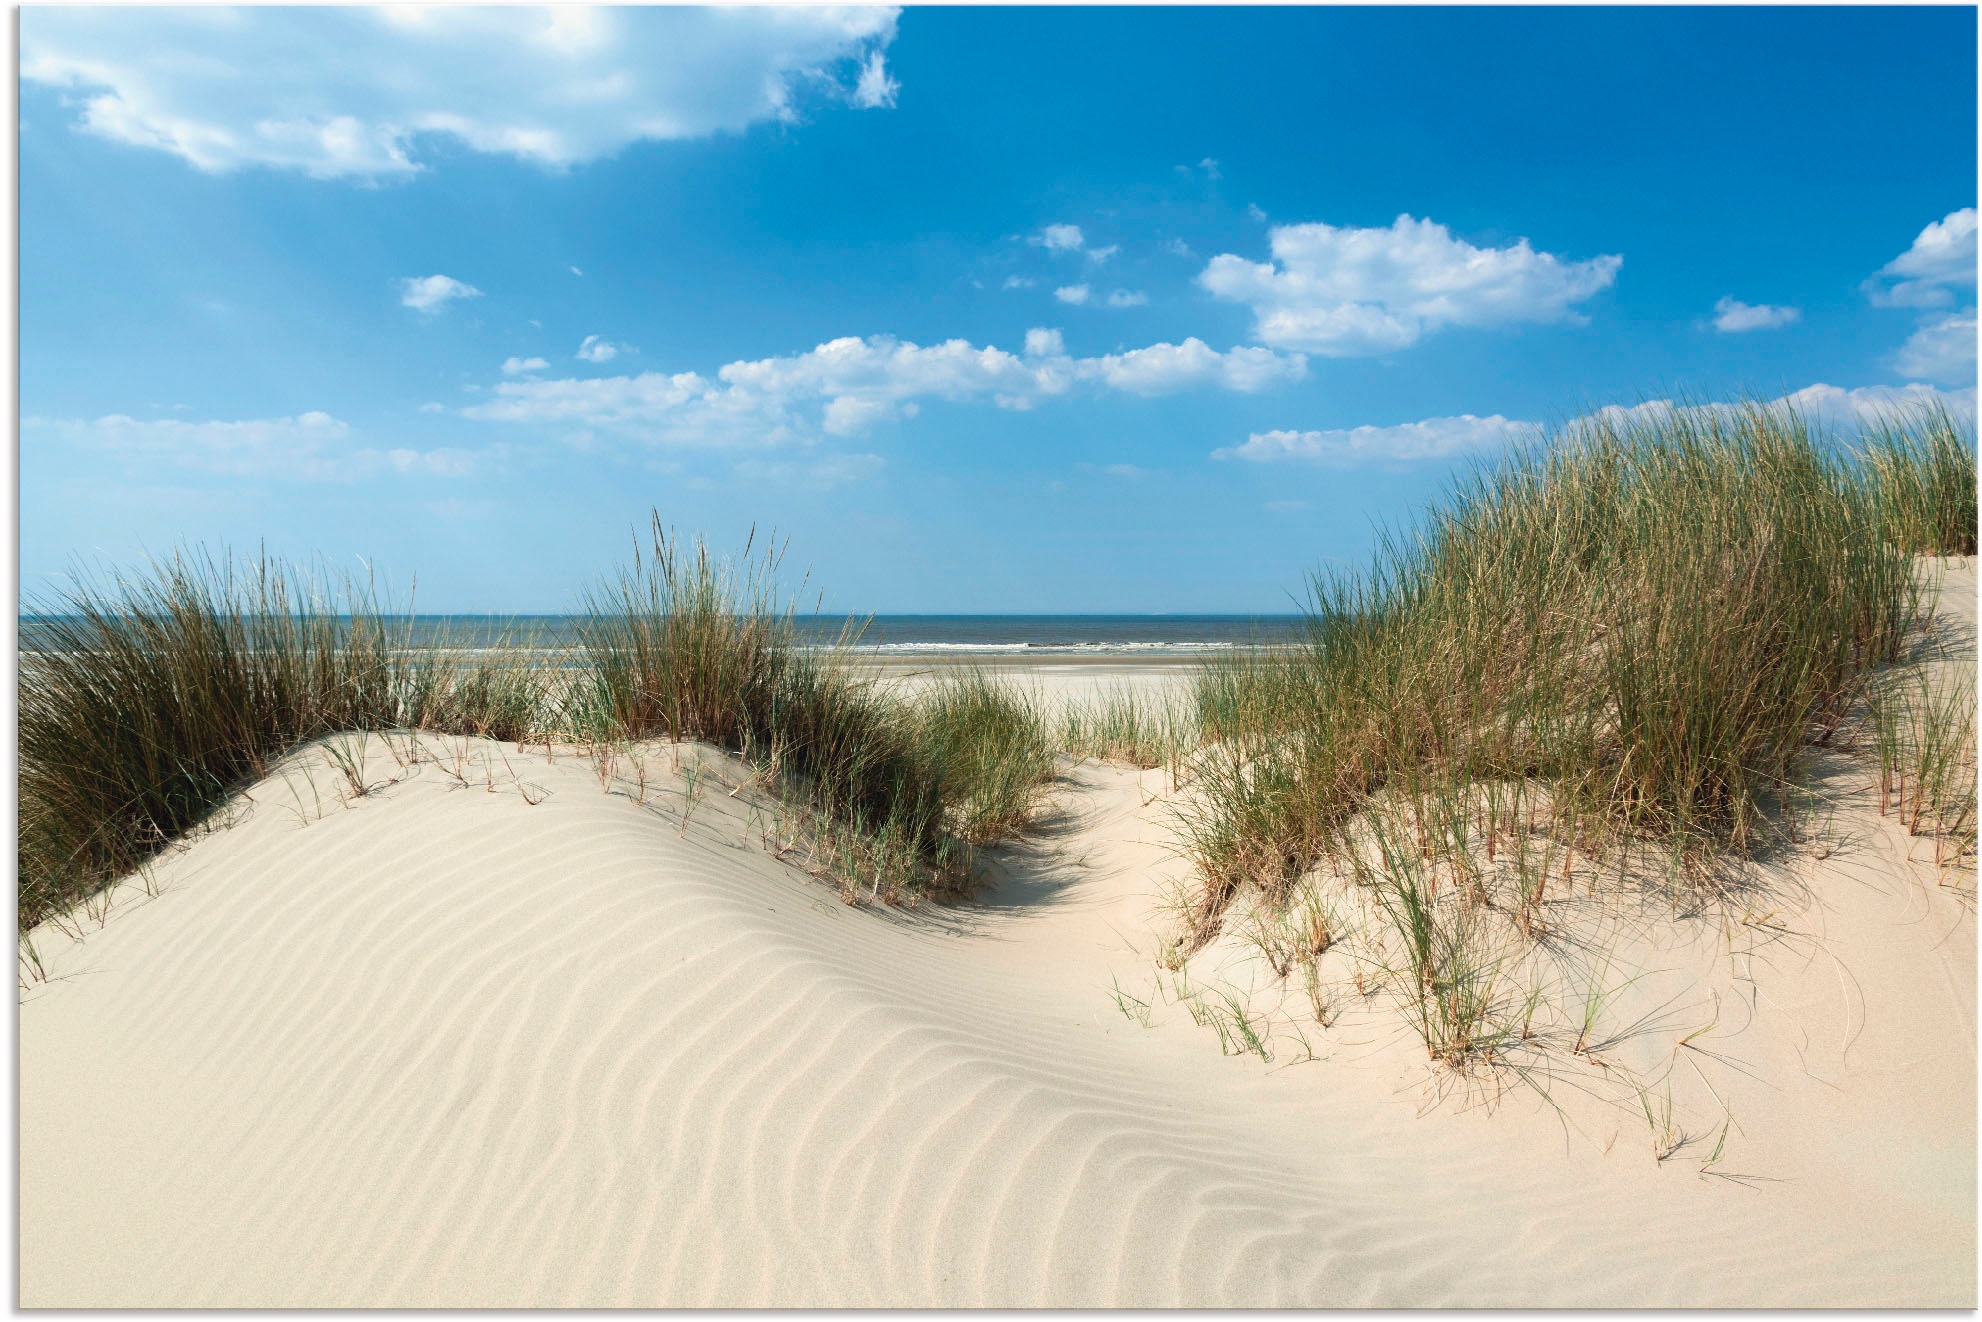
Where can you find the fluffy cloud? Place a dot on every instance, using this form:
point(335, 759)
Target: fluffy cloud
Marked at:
point(348, 92)
point(311, 446)
point(1732, 316)
point(517, 366)
point(1062, 238)
point(1827, 407)
point(1019, 282)
point(1127, 298)
point(428, 294)
point(597, 349)
point(1841, 409)
point(1074, 294)
point(875, 90)
point(846, 386)
point(1943, 350)
point(1042, 343)
point(1163, 369)
point(1941, 260)
point(1346, 292)
point(1434, 438)
point(1938, 268)
point(1100, 255)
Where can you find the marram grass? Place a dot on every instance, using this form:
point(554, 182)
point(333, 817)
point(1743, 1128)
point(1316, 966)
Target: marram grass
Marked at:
point(148, 700)
point(1635, 632)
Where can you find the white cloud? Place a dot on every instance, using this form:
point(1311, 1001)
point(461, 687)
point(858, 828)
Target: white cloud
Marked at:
point(1100, 255)
point(349, 92)
point(1825, 406)
point(1074, 294)
point(1127, 298)
point(1209, 166)
point(1943, 350)
point(433, 408)
point(597, 349)
point(1347, 292)
point(1163, 369)
point(1936, 271)
point(1836, 407)
point(1062, 238)
point(846, 386)
point(428, 294)
point(1255, 211)
point(310, 446)
point(1434, 438)
point(576, 271)
point(1019, 282)
point(514, 366)
point(1178, 248)
point(1828, 407)
point(1732, 316)
point(875, 90)
point(1941, 260)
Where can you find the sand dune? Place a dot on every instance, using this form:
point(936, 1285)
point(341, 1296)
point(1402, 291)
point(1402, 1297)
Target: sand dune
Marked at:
point(526, 1042)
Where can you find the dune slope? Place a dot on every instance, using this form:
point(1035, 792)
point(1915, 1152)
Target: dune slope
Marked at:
point(504, 1038)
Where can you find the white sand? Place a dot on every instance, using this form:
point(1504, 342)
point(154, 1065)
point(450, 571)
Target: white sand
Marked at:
point(444, 1046)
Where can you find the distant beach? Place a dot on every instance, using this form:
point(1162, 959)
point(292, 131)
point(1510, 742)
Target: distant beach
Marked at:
point(892, 640)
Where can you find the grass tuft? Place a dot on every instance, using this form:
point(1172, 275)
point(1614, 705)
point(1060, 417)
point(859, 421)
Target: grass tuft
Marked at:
point(147, 699)
point(988, 742)
point(1634, 631)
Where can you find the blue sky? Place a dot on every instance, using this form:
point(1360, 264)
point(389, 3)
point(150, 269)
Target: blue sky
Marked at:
point(987, 310)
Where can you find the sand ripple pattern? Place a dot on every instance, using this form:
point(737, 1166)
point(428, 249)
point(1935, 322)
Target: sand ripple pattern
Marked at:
point(449, 1048)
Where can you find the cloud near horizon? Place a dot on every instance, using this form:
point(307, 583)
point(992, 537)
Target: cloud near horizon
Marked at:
point(311, 446)
point(1345, 292)
point(348, 93)
point(1942, 349)
point(1823, 405)
point(1433, 438)
point(846, 386)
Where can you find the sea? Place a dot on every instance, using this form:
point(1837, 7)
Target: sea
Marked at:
point(885, 637)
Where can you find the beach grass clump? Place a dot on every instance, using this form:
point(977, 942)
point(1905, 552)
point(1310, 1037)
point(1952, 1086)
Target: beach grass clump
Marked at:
point(148, 699)
point(1922, 723)
point(1922, 465)
point(988, 741)
point(685, 645)
point(506, 694)
point(1129, 724)
point(1650, 617)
